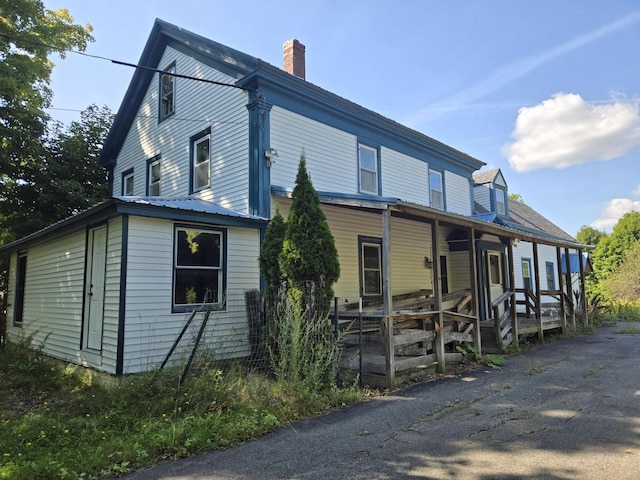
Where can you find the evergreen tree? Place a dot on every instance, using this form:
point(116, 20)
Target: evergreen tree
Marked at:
point(309, 258)
point(270, 252)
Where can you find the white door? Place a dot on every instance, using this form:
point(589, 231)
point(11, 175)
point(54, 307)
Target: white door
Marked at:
point(94, 303)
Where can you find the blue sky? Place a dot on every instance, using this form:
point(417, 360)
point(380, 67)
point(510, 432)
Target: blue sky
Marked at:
point(548, 91)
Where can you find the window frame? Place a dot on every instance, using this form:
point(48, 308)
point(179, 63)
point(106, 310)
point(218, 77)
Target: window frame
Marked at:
point(364, 241)
point(440, 191)
point(444, 274)
point(551, 277)
point(127, 174)
point(361, 169)
point(171, 70)
point(194, 141)
point(219, 303)
point(21, 279)
point(157, 160)
point(501, 193)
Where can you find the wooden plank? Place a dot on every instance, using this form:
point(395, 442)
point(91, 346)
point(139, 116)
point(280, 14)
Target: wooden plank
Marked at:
point(583, 296)
point(567, 261)
point(536, 269)
point(439, 344)
point(563, 308)
point(512, 304)
point(388, 299)
point(473, 269)
point(457, 337)
point(412, 363)
point(409, 338)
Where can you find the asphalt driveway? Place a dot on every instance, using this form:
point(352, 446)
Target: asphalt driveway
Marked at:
point(564, 410)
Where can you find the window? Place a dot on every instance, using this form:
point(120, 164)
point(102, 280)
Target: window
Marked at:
point(153, 176)
point(127, 183)
point(444, 275)
point(21, 276)
point(495, 272)
point(551, 279)
point(198, 268)
point(200, 160)
point(501, 208)
point(370, 266)
point(167, 92)
point(526, 273)
point(435, 186)
point(368, 164)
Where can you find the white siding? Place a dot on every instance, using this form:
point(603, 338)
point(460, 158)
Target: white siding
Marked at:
point(151, 328)
point(458, 193)
point(331, 154)
point(404, 177)
point(546, 253)
point(198, 106)
point(499, 180)
point(482, 195)
point(54, 291)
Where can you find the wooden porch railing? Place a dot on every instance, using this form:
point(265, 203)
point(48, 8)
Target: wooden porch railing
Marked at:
point(502, 321)
point(529, 300)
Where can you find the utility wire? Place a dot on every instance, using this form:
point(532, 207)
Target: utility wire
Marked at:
point(127, 64)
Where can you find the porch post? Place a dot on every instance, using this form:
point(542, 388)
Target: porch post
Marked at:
point(536, 270)
point(439, 324)
point(583, 292)
point(473, 268)
point(512, 301)
point(567, 262)
point(563, 310)
point(388, 299)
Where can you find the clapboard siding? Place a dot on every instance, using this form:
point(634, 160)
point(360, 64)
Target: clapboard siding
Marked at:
point(112, 295)
point(331, 154)
point(459, 272)
point(198, 106)
point(458, 193)
point(482, 195)
point(404, 177)
point(410, 243)
point(151, 328)
point(54, 291)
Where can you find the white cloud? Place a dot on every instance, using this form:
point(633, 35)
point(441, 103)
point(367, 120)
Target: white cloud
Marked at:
point(613, 210)
point(565, 130)
point(518, 68)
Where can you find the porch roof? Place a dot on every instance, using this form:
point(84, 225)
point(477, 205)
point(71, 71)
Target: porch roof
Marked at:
point(480, 222)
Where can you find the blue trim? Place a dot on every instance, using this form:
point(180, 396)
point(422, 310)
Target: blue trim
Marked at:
point(156, 158)
point(122, 307)
point(553, 275)
point(222, 304)
point(126, 173)
point(259, 112)
point(192, 141)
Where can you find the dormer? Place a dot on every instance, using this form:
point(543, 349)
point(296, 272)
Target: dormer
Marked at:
point(490, 192)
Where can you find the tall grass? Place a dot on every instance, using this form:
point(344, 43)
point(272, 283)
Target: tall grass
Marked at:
point(58, 421)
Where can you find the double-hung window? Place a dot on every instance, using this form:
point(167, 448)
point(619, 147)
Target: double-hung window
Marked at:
point(368, 169)
point(167, 92)
point(436, 190)
point(551, 278)
point(198, 267)
point(153, 176)
point(127, 183)
point(201, 160)
point(370, 266)
point(501, 208)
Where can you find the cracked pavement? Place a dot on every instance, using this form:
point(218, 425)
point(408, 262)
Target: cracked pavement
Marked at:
point(563, 410)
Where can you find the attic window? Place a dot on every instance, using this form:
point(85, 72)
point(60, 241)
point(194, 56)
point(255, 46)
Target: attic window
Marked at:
point(501, 208)
point(435, 187)
point(167, 92)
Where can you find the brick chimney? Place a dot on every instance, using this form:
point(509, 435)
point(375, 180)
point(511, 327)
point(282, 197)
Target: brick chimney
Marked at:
point(293, 58)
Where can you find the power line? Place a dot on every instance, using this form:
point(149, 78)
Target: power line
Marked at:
point(127, 64)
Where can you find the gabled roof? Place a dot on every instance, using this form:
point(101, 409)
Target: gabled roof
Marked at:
point(254, 74)
point(184, 209)
point(522, 216)
point(486, 176)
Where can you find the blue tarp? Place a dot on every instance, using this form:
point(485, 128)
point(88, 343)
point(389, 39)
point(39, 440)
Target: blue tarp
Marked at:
point(574, 265)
